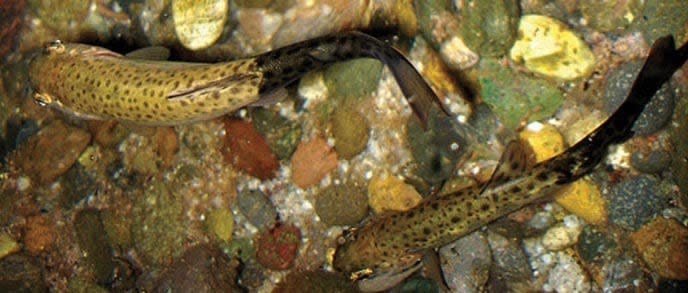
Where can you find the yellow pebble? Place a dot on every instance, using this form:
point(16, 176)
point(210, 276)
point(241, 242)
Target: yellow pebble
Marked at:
point(546, 46)
point(220, 223)
point(583, 199)
point(7, 245)
point(544, 139)
point(390, 193)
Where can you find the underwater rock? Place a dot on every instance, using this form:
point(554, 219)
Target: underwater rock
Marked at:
point(220, 223)
point(353, 79)
point(391, 194)
point(198, 24)
point(663, 244)
point(281, 133)
point(311, 161)
point(350, 130)
point(11, 18)
point(247, 150)
point(96, 250)
point(7, 245)
point(546, 46)
point(21, 273)
point(636, 200)
point(544, 139)
point(201, 269)
point(650, 162)
point(314, 281)
point(661, 18)
point(343, 204)
point(276, 249)
point(489, 27)
point(257, 208)
point(607, 16)
point(594, 246)
point(584, 199)
point(466, 262)
point(39, 234)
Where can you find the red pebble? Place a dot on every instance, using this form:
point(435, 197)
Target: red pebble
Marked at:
point(247, 150)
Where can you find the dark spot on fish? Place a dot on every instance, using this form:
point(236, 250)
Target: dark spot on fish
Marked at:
point(435, 205)
point(455, 220)
point(542, 176)
point(516, 189)
point(485, 207)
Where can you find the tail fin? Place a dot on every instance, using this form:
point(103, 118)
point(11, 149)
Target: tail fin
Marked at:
point(285, 65)
point(662, 61)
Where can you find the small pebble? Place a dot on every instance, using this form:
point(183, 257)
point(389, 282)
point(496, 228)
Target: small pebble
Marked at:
point(276, 249)
point(561, 236)
point(663, 244)
point(583, 198)
point(391, 194)
point(350, 130)
point(247, 150)
point(636, 200)
point(257, 208)
point(343, 204)
point(220, 223)
point(311, 161)
point(198, 24)
point(466, 262)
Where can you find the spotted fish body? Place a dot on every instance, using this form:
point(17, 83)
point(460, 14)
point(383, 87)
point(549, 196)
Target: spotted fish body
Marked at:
point(95, 83)
point(390, 244)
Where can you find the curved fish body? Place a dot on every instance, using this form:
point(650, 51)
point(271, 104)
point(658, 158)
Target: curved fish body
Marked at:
point(386, 246)
point(95, 83)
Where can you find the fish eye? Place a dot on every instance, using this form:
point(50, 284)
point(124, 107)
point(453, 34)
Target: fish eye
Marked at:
point(42, 100)
point(55, 46)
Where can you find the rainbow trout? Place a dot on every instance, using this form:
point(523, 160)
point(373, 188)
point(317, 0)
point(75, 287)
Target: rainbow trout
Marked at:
point(95, 83)
point(390, 245)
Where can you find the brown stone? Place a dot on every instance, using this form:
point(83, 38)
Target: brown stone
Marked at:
point(311, 161)
point(247, 150)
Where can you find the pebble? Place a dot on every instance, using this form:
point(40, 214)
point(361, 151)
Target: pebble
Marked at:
point(391, 194)
point(566, 276)
point(651, 162)
point(77, 184)
point(350, 130)
point(562, 235)
point(257, 208)
point(466, 263)
point(276, 248)
point(656, 113)
point(663, 244)
point(281, 133)
point(39, 234)
point(356, 78)
point(52, 151)
point(546, 46)
point(594, 246)
point(107, 133)
point(247, 150)
point(202, 269)
point(661, 18)
point(584, 199)
point(7, 245)
point(510, 270)
point(343, 204)
point(311, 161)
point(93, 243)
point(516, 97)
point(489, 27)
point(419, 285)
point(198, 24)
point(636, 200)
point(220, 223)
point(623, 274)
point(11, 19)
point(158, 223)
point(679, 149)
point(544, 139)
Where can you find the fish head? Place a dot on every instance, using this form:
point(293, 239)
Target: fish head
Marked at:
point(370, 265)
point(48, 70)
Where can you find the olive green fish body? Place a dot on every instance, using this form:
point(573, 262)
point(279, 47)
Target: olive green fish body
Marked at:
point(95, 83)
point(386, 245)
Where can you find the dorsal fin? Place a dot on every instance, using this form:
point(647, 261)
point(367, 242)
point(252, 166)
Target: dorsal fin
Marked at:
point(155, 53)
point(514, 161)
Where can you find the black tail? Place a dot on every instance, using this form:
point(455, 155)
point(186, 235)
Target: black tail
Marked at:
point(664, 59)
point(285, 65)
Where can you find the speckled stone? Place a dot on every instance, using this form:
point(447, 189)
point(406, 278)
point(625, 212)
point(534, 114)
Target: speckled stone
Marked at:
point(663, 244)
point(281, 134)
point(344, 204)
point(636, 200)
point(77, 184)
point(516, 97)
point(276, 248)
point(656, 114)
point(489, 27)
point(510, 269)
point(594, 246)
point(652, 162)
point(314, 281)
point(419, 285)
point(661, 18)
point(466, 262)
point(257, 208)
point(94, 245)
point(353, 79)
point(21, 273)
point(220, 223)
point(391, 194)
point(201, 269)
point(350, 130)
point(679, 141)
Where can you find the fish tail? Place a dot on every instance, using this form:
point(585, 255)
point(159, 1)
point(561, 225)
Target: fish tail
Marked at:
point(663, 60)
point(285, 65)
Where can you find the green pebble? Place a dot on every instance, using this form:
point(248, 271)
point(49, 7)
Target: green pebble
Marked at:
point(607, 16)
point(7, 245)
point(679, 149)
point(664, 17)
point(345, 204)
point(353, 79)
point(158, 226)
point(94, 244)
point(220, 222)
point(282, 135)
point(350, 130)
point(489, 27)
point(514, 97)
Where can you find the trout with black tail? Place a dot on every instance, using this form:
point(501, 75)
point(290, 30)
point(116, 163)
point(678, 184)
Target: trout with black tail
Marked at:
point(387, 247)
point(96, 83)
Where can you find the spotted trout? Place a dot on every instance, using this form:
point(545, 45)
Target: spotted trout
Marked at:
point(390, 245)
point(95, 83)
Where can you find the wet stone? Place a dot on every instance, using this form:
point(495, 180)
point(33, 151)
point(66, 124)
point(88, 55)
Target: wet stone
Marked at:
point(652, 162)
point(517, 97)
point(466, 262)
point(419, 285)
point(489, 27)
point(257, 208)
point(314, 281)
point(52, 151)
point(663, 244)
point(623, 274)
point(39, 234)
point(201, 269)
point(276, 249)
point(247, 150)
point(220, 223)
point(312, 161)
point(344, 204)
point(656, 114)
point(510, 265)
point(94, 245)
point(198, 24)
point(158, 226)
point(21, 273)
point(594, 246)
point(610, 15)
point(281, 134)
point(679, 141)
point(77, 184)
point(635, 200)
point(353, 79)
point(350, 130)
point(661, 18)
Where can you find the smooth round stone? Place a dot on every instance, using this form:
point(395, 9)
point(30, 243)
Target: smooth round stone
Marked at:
point(199, 23)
